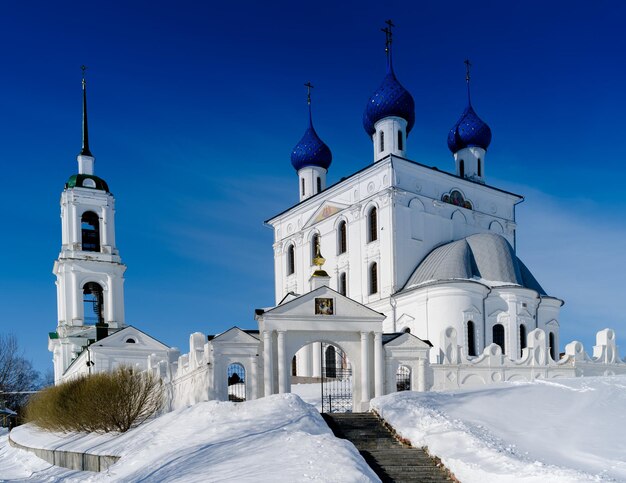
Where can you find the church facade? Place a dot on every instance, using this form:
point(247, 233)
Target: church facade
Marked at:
point(427, 248)
point(398, 277)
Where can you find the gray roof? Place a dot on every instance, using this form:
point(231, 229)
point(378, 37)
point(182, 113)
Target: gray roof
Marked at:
point(485, 256)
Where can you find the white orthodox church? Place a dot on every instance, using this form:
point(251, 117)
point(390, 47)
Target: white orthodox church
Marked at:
point(400, 276)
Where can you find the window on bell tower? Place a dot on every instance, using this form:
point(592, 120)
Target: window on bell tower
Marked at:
point(90, 227)
point(93, 300)
point(462, 169)
point(381, 138)
point(400, 148)
point(319, 184)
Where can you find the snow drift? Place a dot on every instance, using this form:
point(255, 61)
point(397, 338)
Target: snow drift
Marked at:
point(278, 438)
point(567, 430)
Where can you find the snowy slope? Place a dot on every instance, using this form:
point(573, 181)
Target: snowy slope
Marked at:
point(568, 430)
point(278, 439)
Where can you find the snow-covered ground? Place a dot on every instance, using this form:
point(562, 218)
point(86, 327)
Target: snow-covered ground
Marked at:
point(569, 430)
point(278, 439)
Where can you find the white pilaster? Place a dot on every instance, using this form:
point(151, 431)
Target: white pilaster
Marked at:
point(254, 385)
point(365, 367)
point(317, 359)
point(378, 364)
point(421, 375)
point(268, 369)
point(282, 372)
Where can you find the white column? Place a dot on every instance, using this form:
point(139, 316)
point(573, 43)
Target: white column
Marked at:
point(109, 301)
point(254, 379)
point(281, 362)
point(389, 376)
point(304, 361)
point(421, 374)
point(268, 369)
point(378, 364)
point(111, 222)
point(317, 360)
point(365, 367)
point(76, 299)
point(75, 226)
point(104, 228)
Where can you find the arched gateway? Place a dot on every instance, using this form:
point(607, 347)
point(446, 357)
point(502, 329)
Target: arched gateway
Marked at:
point(327, 317)
point(336, 343)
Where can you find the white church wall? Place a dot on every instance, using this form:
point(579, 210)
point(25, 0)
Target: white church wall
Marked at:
point(428, 310)
point(412, 353)
point(457, 370)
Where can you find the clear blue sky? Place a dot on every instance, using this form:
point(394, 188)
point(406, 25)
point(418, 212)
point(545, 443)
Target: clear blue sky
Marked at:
point(195, 106)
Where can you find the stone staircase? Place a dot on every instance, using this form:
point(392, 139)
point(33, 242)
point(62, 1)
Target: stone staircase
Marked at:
point(390, 459)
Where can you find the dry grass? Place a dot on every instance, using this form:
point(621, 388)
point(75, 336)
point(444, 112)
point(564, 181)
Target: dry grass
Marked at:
point(102, 403)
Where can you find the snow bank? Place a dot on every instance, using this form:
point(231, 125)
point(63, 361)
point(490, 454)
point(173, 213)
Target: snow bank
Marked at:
point(278, 438)
point(569, 430)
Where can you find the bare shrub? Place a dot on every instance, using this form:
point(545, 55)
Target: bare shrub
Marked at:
point(104, 402)
point(17, 376)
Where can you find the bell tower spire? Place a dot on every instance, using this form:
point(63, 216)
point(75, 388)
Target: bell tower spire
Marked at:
point(85, 159)
point(89, 270)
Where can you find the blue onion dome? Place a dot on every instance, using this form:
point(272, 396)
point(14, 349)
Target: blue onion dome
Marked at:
point(390, 99)
point(311, 151)
point(469, 130)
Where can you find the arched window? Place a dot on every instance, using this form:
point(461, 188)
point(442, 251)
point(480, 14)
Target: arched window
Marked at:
point(462, 169)
point(400, 148)
point(93, 303)
point(381, 137)
point(552, 344)
point(407, 330)
point(403, 379)
point(480, 168)
point(343, 283)
point(319, 184)
point(90, 227)
point(294, 366)
point(471, 338)
point(342, 237)
point(291, 260)
point(130, 340)
point(498, 336)
point(303, 192)
point(315, 246)
point(330, 362)
point(522, 338)
point(372, 225)
point(236, 382)
point(373, 278)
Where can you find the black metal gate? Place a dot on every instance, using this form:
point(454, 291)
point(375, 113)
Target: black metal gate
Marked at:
point(336, 384)
point(236, 382)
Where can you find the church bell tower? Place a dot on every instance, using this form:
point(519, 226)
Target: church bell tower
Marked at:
point(89, 270)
